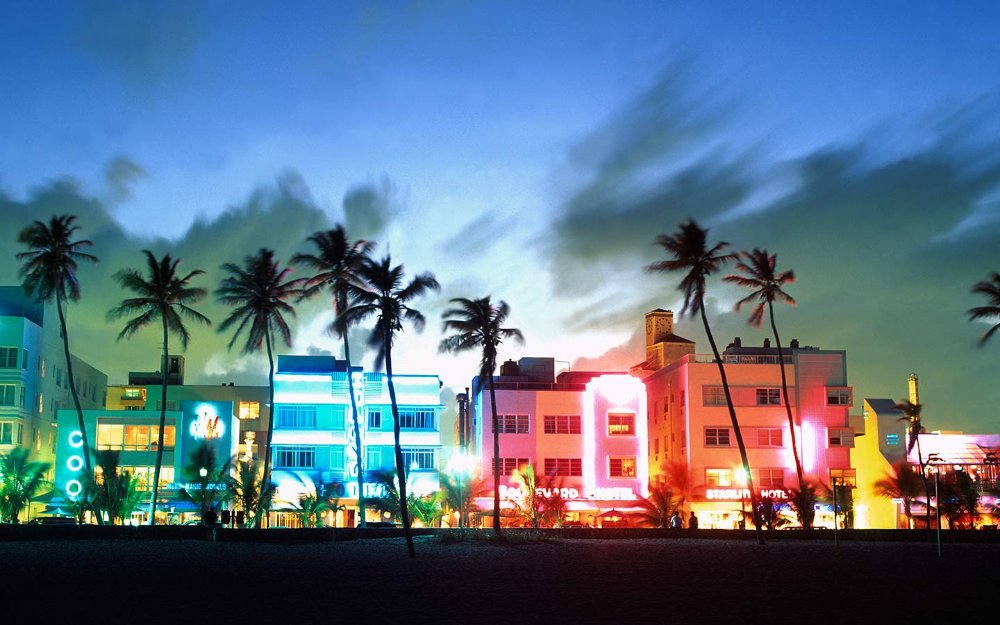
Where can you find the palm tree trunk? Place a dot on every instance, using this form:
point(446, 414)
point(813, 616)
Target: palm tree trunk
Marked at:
point(357, 432)
point(736, 425)
point(496, 458)
point(927, 488)
point(163, 421)
point(404, 513)
point(72, 390)
point(788, 410)
point(270, 425)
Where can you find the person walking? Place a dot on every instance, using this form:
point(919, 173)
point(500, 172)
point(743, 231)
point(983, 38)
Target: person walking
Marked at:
point(692, 521)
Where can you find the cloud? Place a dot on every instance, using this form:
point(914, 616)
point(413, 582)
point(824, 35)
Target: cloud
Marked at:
point(120, 174)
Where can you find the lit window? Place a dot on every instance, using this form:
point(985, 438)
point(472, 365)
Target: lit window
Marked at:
point(562, 424)
point(839, 397)
point(373, 458)
point(414, 419)
point(249, 410)
point(621, 467)
point(513, 423)
point(621, 424)
point(844, 477)
point(769, 397)
point(296, 416)
point(418, 459)
point(770, 478)
point(374, 419)
point(337, 458)
point(769, 437)
point(294, 457)
point(717, 437)
point(718, 477)
point(841, 437)
point(570, 467)
point(509, 465)
point(110, 435)
point(713, 396)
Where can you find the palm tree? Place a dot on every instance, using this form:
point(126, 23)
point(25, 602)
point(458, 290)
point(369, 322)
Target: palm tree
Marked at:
point(689, 252)
point(478, 324)
point(258, 290)
point(49, 273)
point(658, 506)
point(759, 273)
point(164, 295)
point(383, 295)
point(206, 478)
point(336, 266)
point(900, 483)
point(426, 509)
point(914, 426)
point(459, 491)
point(20, 479)
point(249, 492)
point(991, 289)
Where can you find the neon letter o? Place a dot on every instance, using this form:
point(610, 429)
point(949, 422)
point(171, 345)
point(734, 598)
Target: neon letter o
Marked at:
point(74, 488)
point(76, 439)
point(74, 463)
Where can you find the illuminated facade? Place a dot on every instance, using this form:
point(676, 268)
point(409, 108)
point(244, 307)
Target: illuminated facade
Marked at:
point(690, 426)
point(583, 434)
point(313, 441)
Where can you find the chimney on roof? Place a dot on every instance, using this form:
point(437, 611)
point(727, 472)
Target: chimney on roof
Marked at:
point(794, 344)
point(737, 342)
point(914, 389)
point(767, 343)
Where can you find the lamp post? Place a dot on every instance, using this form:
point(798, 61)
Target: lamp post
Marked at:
point(934, 462)
point(459, 464)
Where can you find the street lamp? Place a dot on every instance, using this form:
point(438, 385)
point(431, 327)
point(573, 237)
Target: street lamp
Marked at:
point(934, 462)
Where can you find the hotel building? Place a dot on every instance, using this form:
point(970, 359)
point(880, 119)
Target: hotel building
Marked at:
point(690, 426)
point(583, 433)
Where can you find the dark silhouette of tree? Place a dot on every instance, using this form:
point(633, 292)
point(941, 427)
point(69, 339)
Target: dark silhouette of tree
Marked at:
point(259, 292)
point(336, 264)
point(991, 289)
point(48, 273)
point(914, 426)
point(205, 481)
point(899, 483)
point(20, 479)
point(757, 272)
point(249, 492)
point(383, 295)
point(658, 506)
point(477, 324)
point(164, 295)
point(688, 251)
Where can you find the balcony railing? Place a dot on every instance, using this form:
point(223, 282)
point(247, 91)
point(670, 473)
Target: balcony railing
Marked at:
point(740, 359)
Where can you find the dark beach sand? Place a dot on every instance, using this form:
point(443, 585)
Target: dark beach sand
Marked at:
point(568, 581)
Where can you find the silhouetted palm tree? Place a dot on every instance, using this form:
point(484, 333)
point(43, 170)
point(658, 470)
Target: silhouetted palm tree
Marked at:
point(689, 252)
point(336, 265)
point(914, 426)
point(249, 492)
point(204, 478)
point(901, 483)
point(477, 324)
point(382, 294)
point(166, 296)
point(991, 289)
point(20, 479)
point(758, 272)
point(259, 291)
point(658, 506)
point(49, 273)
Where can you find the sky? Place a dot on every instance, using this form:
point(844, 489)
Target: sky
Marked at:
point(530, 151)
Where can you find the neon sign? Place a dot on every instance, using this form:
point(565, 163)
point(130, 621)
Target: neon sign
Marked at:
point(207, 425)
point(736, 494)
point(74, 463)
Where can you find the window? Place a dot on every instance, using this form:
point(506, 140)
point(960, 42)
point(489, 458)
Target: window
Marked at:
point(844, 477)
point(8, 394)
point(23, 397)
point(840, 437)
point(770, 478)
point(337, 458)
point(373, 460)
point(513, 423)
point(563, 467)
point(839, 397)
point(717, 437)
point(338, 418)
point(58, 377)
point(769, 397)
point(411, 419)
point(374, 419)
point(133, 437)
point(892, 439)
point(713, 396)
point(294, 457)
point(656, 445)
point(249, 410)
point(144, 475)
point(24, 360)
point(621, 467)
point(6, 433)
point(8, 357)
point(769, 437)
point(562, 424)
point(621, 424)
point(718, 477)
point(296, 416)
point(418, 459)
point(509, 465)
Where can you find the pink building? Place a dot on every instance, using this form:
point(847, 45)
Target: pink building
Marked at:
point(690, 429)
point(582, 433)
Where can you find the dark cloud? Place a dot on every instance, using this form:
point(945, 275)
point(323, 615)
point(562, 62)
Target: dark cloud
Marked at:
point(369, 208)
point(877, 234)
point(120, 175)
point(279, 216)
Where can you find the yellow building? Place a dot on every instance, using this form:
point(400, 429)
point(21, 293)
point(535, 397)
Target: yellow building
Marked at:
point(870, 510)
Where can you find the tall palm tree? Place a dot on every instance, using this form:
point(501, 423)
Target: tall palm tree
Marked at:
point(382, 294)
point(336, 265)
point(991, 289)
point(163, 295)
point(477, 324)
point(49, 273)
point(757, 272)
point(914, 426)
point(259, 291)
point(688, 251)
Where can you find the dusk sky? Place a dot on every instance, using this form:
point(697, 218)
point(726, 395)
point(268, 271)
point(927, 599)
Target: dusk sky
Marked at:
point(531, 151)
